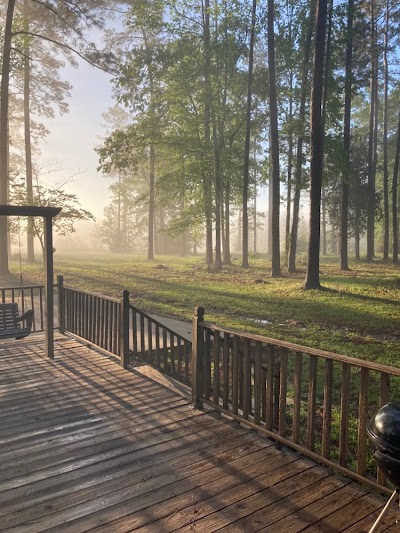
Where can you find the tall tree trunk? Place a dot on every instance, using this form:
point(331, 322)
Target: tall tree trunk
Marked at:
point(152, 157)
point(300, 140)
point(325, 89)
point(273, 112)
point(255, 211)
point(371, 143)
point(245, 216)
point(207, 182)
point(357, 242)
point(119, 216)
point(317, 148)
point(324, 111)
point(239, 234)
point(386, 215)
point(28, 146)
point(150, 244)
point(395, 225)
point(323, 202)
point(227, 247)
point(289, 169)
point(4, 102)
point(218, 199)
point(269, 214)
point(344, 259)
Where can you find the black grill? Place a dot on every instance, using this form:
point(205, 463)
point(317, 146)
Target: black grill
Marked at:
point(384, 433)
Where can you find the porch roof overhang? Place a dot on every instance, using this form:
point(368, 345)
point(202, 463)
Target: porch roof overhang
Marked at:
point(29, 211)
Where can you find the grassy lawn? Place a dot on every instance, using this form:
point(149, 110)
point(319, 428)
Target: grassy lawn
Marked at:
point(358, 314)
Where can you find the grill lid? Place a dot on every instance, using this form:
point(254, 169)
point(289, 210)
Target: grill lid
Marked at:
point(384, 429)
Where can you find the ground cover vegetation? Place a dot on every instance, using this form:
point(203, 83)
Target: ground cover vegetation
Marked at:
point(358, 314)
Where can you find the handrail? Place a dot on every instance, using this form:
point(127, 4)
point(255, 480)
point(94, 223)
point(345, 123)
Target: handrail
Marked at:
point(314, 401)
point(18, 287)
point(96, 294)
point(361, 363)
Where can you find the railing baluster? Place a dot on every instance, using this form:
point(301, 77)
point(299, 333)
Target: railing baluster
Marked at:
point(235, 374)
point(165, 350)
point(246, 379)
point(269, 398)
point(207, 364)
point(312, 392)
point(187, 349)
point(383, 399)
point(33, 307)
point(283, 392)
point(344, 414)
point(157, 346)
point(225, 371)
point(150, 340)
point(257, 382)
point(142, 340)
point(172, 351)
point(327, 409)
point(106, 324)
point(98, 321)
point(117, 329)
point(135, 335)
point(298, 370)
point(101, 309)
point(180, 350)
point(362, 422)
point(216, 380)
point(41, 309)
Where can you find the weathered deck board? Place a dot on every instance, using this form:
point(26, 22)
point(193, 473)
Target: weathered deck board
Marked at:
point(87, 446)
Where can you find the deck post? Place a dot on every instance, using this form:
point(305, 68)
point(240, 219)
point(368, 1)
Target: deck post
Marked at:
point(61, 304)
point(49, 310)
point(197, 359)
point(124, 329)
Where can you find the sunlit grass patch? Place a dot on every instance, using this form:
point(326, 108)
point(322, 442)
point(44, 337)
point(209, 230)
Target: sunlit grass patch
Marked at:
point(358, 313)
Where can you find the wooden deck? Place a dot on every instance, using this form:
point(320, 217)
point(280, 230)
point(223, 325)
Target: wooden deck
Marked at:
point(85, 445)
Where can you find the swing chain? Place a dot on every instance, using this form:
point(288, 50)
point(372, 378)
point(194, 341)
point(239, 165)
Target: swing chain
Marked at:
point(21, 281)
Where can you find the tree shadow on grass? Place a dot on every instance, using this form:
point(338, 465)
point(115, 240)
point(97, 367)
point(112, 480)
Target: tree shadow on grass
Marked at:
point(348, 294)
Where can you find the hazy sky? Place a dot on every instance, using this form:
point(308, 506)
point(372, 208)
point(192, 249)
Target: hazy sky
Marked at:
point(73, 137)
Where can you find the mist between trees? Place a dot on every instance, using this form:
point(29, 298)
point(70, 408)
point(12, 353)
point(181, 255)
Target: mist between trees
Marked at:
point(280, 116)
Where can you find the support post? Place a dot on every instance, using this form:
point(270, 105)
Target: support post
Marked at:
point(197, 359)
point(49, 311)
point(124, 329)
point(61, 304)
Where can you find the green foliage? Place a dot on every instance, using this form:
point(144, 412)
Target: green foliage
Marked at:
point(71, 210)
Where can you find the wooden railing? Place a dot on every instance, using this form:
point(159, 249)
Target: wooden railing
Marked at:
point(27, 297)
point(311, 400)
point(120, 328)
point(159, 346)
point(91, 316)
point(314, 401)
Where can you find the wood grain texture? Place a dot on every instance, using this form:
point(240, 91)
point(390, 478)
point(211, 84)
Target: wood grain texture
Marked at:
point(86, 445)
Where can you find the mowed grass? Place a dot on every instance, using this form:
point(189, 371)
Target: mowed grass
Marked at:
point(358, 314)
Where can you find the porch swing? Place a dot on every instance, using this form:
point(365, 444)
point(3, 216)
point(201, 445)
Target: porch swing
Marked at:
point(10, 320)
